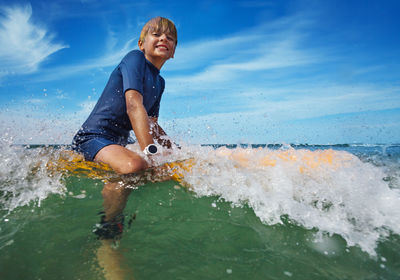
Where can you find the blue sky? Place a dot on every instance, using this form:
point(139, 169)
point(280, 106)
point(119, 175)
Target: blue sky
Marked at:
point(301, 71)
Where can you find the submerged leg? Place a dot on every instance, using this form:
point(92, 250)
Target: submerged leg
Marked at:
point(115, 196)
point(123, 161)
point(110, 259)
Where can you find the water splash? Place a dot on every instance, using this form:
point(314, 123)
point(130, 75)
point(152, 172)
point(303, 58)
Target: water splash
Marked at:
point(334, 192)
point(329, 191)
point(24, 178)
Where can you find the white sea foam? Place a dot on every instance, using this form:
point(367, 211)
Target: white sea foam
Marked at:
point(334, 192)
point(24, 178)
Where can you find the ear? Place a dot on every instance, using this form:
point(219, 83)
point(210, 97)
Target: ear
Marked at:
point(140, 44)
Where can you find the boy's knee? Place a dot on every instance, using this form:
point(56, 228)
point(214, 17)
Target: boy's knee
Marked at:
point(131, 166)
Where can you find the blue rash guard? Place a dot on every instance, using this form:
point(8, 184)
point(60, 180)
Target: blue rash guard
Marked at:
point(109, 122)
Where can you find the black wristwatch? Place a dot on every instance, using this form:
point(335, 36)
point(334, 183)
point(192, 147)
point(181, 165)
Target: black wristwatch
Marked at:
point(151, 149)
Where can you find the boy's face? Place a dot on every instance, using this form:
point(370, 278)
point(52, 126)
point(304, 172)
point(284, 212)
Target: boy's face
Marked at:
point(158, 47)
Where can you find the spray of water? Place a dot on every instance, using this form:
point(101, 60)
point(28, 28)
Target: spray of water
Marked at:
point(24, 178)
point(332, 192)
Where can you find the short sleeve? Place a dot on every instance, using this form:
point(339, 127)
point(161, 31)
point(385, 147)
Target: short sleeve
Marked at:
point(132, 69)
point(154, 111)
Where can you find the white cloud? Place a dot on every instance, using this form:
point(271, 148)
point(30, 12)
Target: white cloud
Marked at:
point(210, 60)
point(224, 63)
point(24, 44)
point(110, 59)
point(255, 84)
point(266, 71)
point(279, 54)
point(208, 50)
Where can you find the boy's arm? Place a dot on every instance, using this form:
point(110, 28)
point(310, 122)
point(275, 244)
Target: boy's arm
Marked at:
point(159, 134)
point(138, 117)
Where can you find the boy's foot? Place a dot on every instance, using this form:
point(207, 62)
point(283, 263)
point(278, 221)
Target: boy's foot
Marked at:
point(110, 230)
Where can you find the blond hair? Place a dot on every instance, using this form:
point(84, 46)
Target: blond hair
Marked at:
point(159, 24)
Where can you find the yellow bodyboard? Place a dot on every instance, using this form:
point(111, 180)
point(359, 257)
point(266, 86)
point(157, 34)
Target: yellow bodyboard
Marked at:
point(306, 161)
point(75, 164)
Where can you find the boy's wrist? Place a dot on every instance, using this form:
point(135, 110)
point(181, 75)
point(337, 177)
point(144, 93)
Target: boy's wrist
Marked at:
point(151, 149)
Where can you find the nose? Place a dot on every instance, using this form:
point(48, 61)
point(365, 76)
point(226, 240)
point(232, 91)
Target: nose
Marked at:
point(163, 37)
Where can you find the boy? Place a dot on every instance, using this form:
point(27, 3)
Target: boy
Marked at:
point(130, 101)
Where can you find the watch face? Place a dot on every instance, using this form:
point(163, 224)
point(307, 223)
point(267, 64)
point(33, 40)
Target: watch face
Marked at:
point(152, 149)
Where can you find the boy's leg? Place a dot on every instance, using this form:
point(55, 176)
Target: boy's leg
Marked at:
point(115, 197)
point(122, 161)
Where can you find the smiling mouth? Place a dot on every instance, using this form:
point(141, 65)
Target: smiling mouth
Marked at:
point(162, 47)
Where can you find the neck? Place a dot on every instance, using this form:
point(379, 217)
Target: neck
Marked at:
point(156, 61)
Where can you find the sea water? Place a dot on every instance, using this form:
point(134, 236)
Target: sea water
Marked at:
point(254, 211)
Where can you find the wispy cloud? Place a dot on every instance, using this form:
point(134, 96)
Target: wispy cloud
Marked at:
point(224, 63)
point(24, 44)
point(288, 77)
point(273, 55)
point(109, 59)
point(272, 72)
point(209, 60)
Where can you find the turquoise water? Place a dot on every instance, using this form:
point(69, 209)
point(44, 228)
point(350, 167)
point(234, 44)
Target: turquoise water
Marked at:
point(232, 223)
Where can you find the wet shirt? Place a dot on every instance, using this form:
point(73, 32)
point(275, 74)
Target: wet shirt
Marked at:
point(109, 117)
